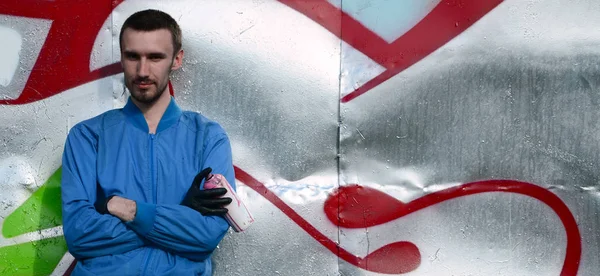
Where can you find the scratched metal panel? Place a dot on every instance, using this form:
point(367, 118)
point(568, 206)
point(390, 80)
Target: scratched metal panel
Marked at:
point(514, 97)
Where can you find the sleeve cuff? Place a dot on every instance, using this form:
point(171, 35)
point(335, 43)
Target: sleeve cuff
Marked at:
point(144, 218)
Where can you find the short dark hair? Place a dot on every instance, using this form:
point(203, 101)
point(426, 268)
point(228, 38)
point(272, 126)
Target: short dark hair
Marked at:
point(152, 20)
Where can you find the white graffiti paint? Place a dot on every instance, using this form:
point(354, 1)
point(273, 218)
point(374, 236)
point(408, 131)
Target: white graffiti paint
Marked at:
point(16, 180)
point(357, 69)
point(63, 265)
point(9, 54)
point(21, 42)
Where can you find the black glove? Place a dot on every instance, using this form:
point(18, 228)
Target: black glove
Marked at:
point(207, 202)
point(101, 203)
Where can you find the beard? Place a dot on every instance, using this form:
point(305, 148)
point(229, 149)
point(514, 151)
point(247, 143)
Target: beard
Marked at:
point(147, 96)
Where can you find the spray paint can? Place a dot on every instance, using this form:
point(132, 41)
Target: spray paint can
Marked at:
point(238, 216)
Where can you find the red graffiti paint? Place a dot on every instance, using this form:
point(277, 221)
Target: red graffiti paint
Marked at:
point(71, 268)
point(346, 208)
point(447, 20)
point(64, 59)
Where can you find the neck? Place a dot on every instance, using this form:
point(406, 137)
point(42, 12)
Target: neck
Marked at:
point(153, 112)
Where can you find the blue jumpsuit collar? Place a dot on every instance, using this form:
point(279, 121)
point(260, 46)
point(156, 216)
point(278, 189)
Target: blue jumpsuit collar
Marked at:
point(136, 117)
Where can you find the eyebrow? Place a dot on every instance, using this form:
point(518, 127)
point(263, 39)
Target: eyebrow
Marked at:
point(159, 55)
point(153, 54)
point(130, 53)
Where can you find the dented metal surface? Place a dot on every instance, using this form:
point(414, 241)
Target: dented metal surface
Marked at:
point(477, 158)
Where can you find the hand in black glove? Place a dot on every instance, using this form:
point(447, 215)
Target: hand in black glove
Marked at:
point(207, 202)
point(101, 203)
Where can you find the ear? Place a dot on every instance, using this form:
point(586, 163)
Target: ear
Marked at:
point(178, 60)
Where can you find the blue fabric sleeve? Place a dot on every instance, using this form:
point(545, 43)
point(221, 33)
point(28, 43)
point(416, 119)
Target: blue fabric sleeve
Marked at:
point(180, 229)
point(88, 234)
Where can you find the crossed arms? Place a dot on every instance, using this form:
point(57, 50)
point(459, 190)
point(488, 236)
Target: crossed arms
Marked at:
point(128, 224)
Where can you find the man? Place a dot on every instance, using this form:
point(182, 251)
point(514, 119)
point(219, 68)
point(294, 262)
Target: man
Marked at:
point(129, 206)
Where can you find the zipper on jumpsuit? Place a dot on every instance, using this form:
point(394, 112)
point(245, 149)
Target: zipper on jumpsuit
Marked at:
point(152, 189)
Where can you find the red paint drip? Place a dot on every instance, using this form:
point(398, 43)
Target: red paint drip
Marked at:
point(355, 206)
point(394, 258)
point(381, 208)
point(402, 257)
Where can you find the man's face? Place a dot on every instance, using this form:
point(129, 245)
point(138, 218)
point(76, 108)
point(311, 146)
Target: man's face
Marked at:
point(147, 59)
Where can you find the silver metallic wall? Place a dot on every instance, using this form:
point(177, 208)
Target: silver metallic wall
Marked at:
point(370, 137)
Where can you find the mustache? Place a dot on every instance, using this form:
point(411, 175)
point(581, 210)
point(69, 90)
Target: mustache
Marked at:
point(143, 81)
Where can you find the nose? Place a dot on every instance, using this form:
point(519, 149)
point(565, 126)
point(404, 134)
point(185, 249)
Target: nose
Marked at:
point(143, 68)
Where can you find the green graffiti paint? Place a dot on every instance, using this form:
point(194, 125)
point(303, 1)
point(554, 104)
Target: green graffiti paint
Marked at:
point(41, 211)
point(32, 258)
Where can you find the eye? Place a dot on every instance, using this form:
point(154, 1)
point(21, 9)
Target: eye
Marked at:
point(156, 57)
point(131, 56)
